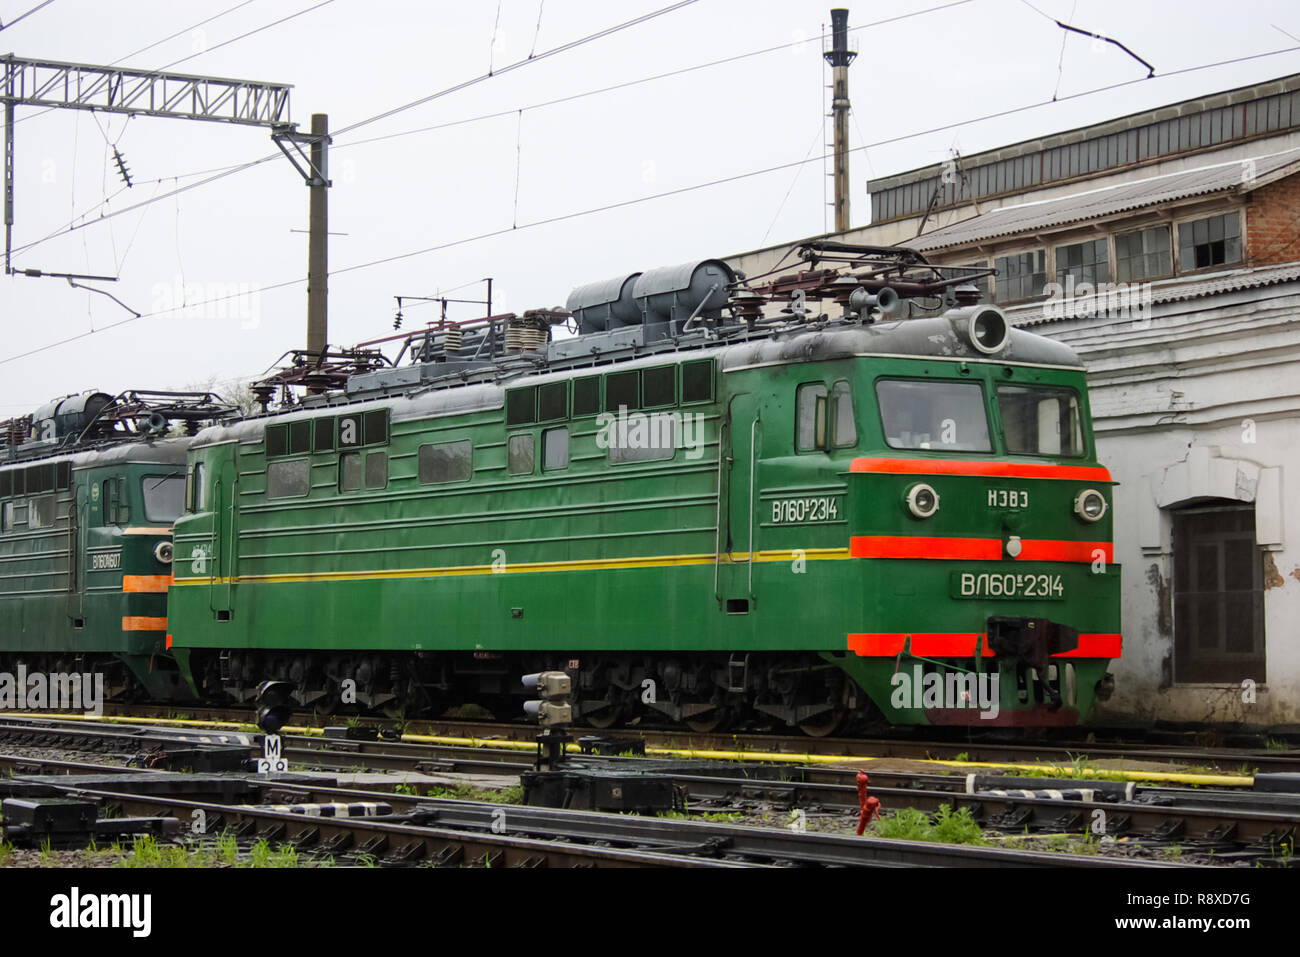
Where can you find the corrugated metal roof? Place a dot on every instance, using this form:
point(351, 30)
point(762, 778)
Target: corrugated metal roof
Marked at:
point(1177, 289)
point(1098, 203)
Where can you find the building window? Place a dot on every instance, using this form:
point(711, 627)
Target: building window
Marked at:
point(1143, 255)
point(1021, 276)
point(1209, 242)
point(1086, 262)
point(1218, 595)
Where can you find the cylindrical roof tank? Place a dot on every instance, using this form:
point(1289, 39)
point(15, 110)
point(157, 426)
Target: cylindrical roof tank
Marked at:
point(69, 415)
point(677, 292)
point(607, 304)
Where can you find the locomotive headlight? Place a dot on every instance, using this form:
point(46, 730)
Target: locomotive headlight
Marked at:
point(1090, 505)
point(163, 552)
point(922, 500)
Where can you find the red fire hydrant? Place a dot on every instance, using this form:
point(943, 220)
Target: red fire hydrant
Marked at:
point(870, 805)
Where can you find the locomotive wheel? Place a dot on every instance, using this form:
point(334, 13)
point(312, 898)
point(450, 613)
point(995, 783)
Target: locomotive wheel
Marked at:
point(709, 721)
point(823, 724)
point(605, 717)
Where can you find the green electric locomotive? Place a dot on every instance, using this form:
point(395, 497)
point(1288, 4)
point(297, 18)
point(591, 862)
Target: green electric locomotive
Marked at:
point(717, 502)
point(89, 487)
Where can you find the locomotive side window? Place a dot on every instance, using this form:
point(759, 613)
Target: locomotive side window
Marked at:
point(446, 462)
point(6, 484)
point(1040, 421)
point(642, 438)
point(846, 428)
point(324, 435)
point(116, 510)
point(622, 390)
point(40, 511)
point(7, 517)
point(377, 470)
point(521, 454)
point(350, 472)
point(555, 449)
point(164, 497)
point(196, 495)
point(288, 479)
point(300, 437)
point(521, 406)
point(659, 386)
point(277, 441)
point(939, 416)
point(552, 401)
point(586, 396)
point(697, 381)
point(810, 417)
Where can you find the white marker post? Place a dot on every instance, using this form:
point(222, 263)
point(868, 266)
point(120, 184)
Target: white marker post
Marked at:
point(271, 761)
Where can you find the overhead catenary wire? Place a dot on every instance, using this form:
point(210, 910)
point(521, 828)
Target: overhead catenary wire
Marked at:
point(564, 47)
point(563, 217)
point(569, 98)
point(245, 36)
point(24, 16)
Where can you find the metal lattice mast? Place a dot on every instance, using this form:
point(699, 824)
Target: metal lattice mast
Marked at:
point(109, 89)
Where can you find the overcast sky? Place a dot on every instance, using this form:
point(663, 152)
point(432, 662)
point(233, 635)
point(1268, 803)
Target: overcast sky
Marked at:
point(442, 187)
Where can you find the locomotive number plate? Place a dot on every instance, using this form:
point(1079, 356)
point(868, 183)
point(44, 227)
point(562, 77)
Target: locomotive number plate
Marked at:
point(105, 561)
point(1008, 498)
point(806, 511)
point(1007, 585)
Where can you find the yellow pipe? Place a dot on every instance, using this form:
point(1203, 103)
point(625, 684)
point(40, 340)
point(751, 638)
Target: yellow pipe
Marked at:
point(1168, 777)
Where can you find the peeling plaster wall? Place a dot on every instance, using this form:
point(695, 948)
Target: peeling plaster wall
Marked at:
point(1201, 400)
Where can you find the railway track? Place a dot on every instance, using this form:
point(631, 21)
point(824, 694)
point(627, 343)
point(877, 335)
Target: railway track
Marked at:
point(450, 832)
point(1247, 826)
point(1062, 752)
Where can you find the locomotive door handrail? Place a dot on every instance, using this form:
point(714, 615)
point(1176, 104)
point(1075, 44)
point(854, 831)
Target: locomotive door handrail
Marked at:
point(727, 469)
point(753, 466)
point(723, 434)
point(76, 598)
point(229, 550)
point(215, 565)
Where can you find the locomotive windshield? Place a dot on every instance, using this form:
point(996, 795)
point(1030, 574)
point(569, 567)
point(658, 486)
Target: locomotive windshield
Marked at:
point(164, 497)
point(947, 416)
point(1040, 421)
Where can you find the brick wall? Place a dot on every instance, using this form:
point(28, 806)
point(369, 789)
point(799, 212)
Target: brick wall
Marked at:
point(1273, 223)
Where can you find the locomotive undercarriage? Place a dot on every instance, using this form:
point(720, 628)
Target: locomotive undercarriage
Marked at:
point(703, 692)
point(121, 684)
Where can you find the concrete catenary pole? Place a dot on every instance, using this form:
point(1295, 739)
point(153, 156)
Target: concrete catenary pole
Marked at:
point(318, 237)
point(839, 56)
